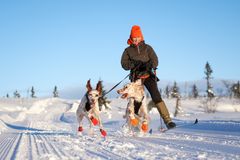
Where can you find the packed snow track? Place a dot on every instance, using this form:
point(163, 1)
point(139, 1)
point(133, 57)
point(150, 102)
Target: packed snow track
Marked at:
point(47, 129)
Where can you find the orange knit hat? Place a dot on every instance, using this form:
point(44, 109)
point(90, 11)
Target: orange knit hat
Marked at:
point(135, 32)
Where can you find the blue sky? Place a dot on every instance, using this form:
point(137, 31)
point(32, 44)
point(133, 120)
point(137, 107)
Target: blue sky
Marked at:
point(44, 43)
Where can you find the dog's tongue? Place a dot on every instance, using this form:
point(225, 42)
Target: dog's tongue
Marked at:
point(124, 95)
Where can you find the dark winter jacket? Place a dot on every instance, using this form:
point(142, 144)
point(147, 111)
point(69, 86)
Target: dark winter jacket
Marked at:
point(143, 53)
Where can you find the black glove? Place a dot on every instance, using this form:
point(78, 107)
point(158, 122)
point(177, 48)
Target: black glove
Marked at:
point(149, 65)
point(138, 63)
point(146, 66)
point(135, 64)
point(142, 66)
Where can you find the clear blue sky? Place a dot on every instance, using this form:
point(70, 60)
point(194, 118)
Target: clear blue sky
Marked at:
point(65, 42)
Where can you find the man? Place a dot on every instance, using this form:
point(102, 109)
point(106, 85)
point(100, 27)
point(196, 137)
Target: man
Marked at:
point(142, 61)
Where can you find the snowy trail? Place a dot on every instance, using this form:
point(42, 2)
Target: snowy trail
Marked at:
point(187, 145)
point(8, 145)
point(25, 144)
point(47, 130)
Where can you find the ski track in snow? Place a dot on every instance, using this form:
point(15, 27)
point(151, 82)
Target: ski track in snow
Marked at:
point(33, 138)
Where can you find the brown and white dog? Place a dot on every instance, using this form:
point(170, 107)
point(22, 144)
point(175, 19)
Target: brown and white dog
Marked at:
point(89, 107)
point(136, 111)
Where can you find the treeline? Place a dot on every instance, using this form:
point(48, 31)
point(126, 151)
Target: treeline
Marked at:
point(209, 102)
point(16, 94)
point(232, 89)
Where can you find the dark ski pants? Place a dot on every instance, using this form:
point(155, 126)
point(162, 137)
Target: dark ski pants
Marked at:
point(151, 85)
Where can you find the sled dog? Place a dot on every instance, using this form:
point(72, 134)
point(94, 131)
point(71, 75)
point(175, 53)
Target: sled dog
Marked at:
point(89, 108)
point(136, 111)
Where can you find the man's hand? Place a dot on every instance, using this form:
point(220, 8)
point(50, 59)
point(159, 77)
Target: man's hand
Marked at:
point(135, 64)
point(145, 66)
point(138, 63)
point(142, 66)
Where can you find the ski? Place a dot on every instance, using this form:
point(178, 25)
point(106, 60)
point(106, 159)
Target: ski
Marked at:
point(180, 126)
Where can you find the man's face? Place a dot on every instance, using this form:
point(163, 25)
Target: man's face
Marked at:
point(136, 40)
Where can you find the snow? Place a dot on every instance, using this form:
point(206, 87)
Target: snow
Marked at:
point(47, 129)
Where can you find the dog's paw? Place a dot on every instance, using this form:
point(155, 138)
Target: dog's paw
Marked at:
point(103, 132)
point(94, 120)
point(80, 129)
point(144, 127)
point(134, 122)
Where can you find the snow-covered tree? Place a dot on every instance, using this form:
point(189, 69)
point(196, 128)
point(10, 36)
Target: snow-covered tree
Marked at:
point(176, 94)
point(55, 92)
point(167, 91)
point(194, 91)
point(175, 90)
point(236, 89)
point(208, 71)
point(33, 92)
point(104, 103)
point(16, 94)
point(210, 104)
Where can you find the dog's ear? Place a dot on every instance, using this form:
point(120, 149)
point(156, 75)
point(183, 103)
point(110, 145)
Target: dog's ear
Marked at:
point(99, 87)
point(89, 87)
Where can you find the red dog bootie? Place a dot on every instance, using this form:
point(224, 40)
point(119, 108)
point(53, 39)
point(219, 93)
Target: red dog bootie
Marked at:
point(134, 122)
point(103, 132)
point(94, 120)
point(80, 129)
point(144, 127)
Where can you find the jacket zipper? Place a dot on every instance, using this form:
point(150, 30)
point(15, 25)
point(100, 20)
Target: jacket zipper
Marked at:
point(138, 49)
